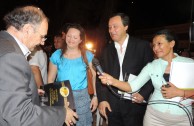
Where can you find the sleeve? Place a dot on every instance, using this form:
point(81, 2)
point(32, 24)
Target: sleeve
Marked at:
point(34, 60)
point(148, 88)
point(90, 56)
point(17, 107)
point(55, 57)
point(141, 79)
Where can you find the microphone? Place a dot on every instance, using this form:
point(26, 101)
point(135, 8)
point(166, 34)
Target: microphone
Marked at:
point(96, 63)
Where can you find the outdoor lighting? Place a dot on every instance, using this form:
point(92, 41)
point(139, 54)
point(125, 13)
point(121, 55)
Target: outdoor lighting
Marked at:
point(89, 45)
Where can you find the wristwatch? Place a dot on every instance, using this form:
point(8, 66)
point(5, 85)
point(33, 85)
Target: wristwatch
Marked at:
point(94, 95)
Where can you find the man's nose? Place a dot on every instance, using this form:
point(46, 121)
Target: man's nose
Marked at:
point(42, 43)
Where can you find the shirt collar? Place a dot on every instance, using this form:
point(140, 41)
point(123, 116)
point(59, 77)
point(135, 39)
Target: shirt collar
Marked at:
point(24, 49)
point(124, 45)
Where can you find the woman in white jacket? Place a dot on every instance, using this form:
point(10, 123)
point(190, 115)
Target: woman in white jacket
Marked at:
point(162, 112)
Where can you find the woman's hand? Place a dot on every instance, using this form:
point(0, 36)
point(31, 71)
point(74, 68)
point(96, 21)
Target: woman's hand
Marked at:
point(94, 103)
point(106, 79)
point(171, 91)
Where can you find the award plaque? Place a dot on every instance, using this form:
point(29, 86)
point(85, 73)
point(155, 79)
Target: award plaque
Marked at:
point(58, 94)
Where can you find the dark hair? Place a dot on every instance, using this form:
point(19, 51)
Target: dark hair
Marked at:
point(24, 15)
point(58, 34)
point(64, 27)
point(169, 36)
point(82, 36)
point(125, 19)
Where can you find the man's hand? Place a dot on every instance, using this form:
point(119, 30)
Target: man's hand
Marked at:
point(102, 108)
point(93, 104)
point(137, 98)
point(71, 117)
point(41, 92)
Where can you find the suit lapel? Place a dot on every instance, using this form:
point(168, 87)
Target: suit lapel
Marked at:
point(115, 61)
point(128, 55)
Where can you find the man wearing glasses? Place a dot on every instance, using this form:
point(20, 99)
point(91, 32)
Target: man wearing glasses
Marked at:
point(19, 106)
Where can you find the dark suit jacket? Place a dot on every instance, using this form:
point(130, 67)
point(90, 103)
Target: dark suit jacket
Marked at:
point(137, 55)
point(19, 100)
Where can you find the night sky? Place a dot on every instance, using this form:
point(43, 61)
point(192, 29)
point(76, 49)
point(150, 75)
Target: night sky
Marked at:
point(93, 14)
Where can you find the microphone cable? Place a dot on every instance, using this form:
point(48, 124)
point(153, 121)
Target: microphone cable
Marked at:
point(116, 94)
point(121, 96)
point(189, 115)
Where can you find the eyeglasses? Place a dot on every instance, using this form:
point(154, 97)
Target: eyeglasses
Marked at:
point(43, 37)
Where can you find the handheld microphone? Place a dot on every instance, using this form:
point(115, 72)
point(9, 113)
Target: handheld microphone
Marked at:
point(96, 63)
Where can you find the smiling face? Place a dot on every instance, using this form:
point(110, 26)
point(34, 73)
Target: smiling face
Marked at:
point(117, 30)
point(161, 47)
point(73, 38)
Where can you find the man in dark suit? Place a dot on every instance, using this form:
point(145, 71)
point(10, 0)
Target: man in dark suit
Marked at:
point(125, 55)
point(19, 100)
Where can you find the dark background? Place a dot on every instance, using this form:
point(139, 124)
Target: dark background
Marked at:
point(93, 14)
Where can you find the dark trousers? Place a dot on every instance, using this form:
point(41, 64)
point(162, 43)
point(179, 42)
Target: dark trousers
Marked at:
point(126, 113)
